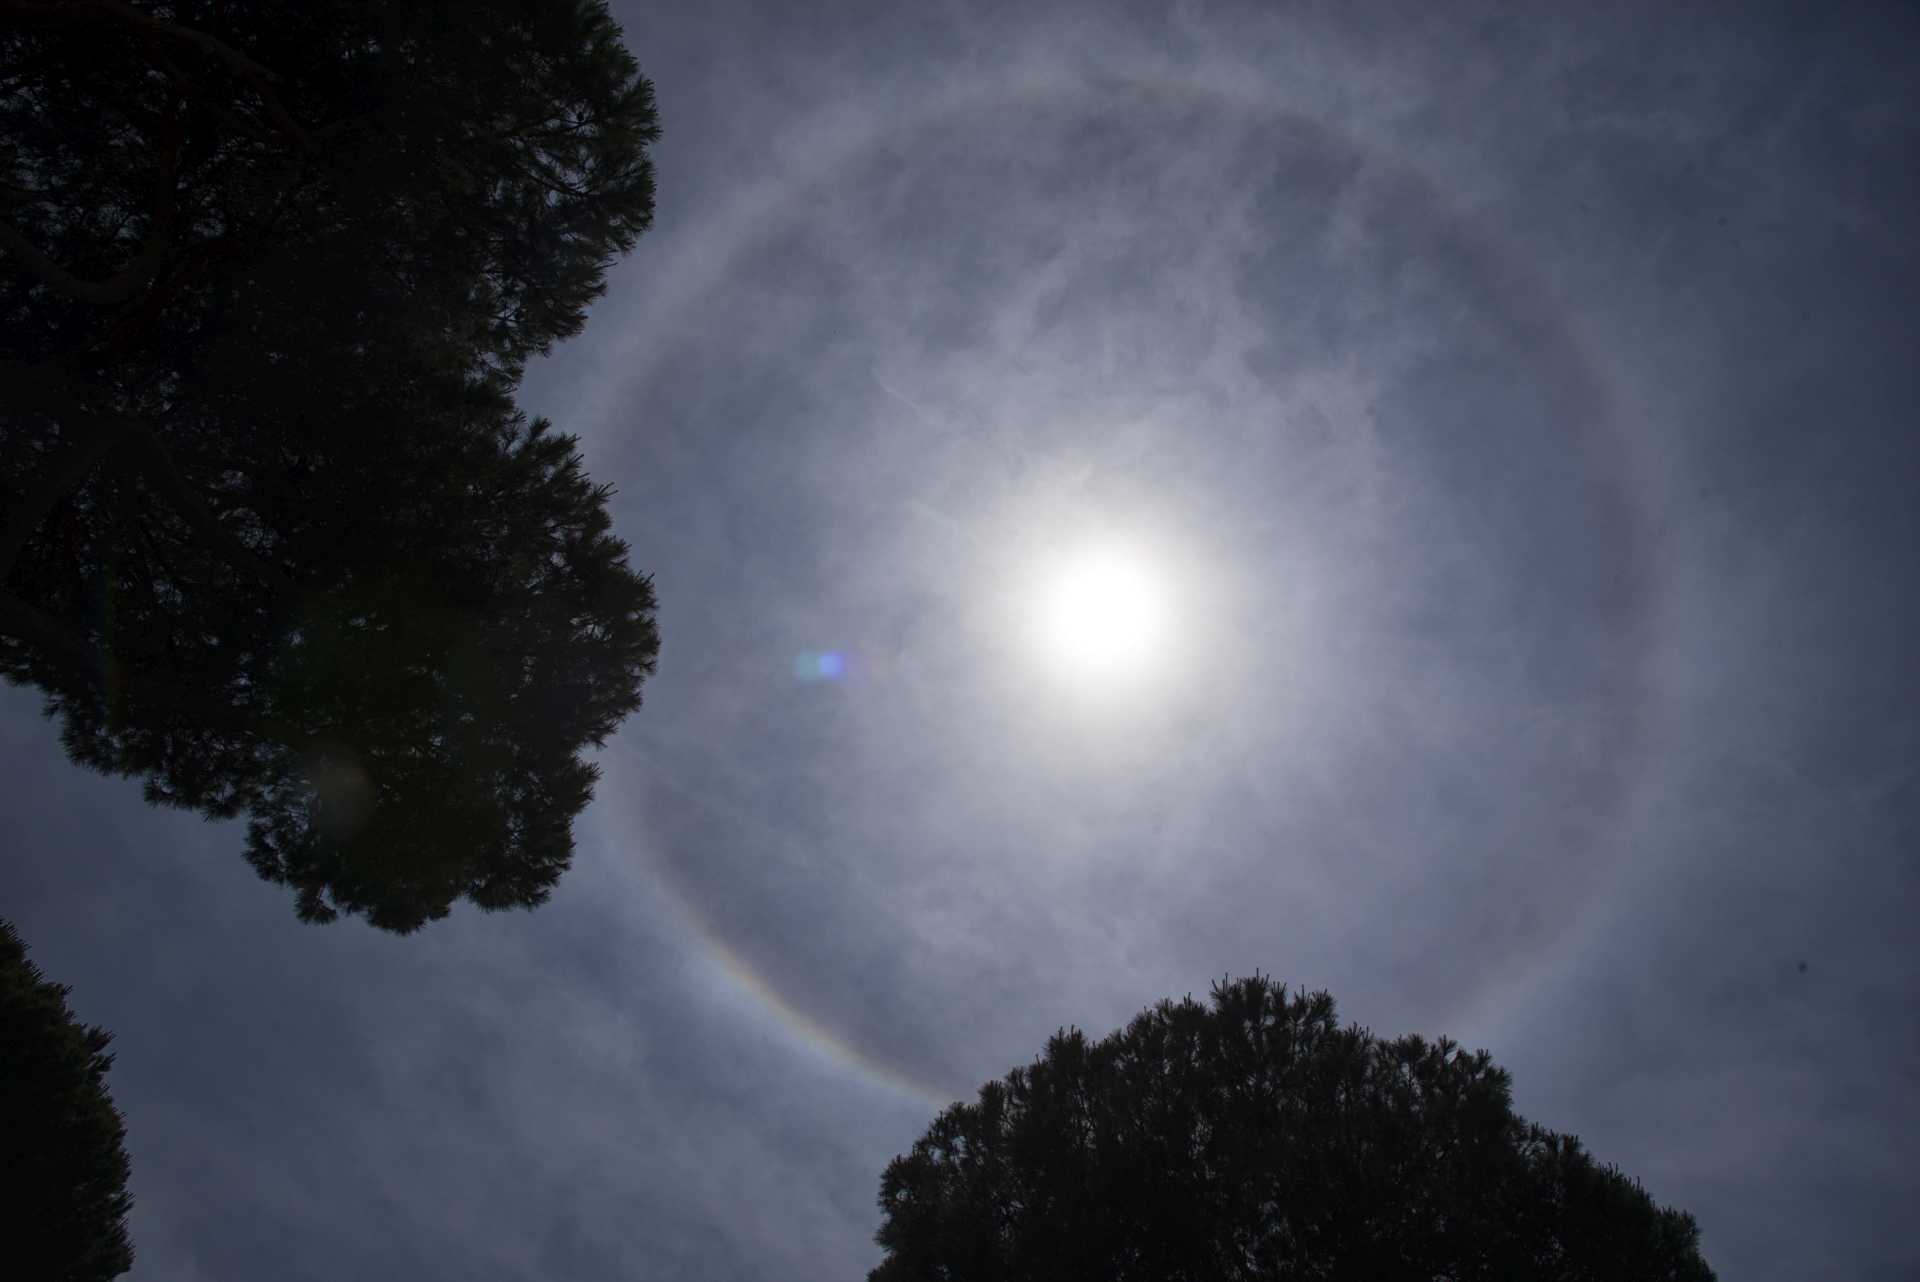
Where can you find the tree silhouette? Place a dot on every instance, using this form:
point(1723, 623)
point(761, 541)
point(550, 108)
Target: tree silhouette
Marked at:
point(64, 1208)
point(1258, 1139)
point(276, 538)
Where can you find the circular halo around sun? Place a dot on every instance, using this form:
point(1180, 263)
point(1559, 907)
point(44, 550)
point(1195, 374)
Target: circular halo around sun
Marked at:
point(1102, 616)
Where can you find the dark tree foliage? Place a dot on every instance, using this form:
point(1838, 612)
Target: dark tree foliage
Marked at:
point(1256, 1138)
point(275, 537)
point(63, 1172)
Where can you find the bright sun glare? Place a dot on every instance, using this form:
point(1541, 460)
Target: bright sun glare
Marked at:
point(1102, 616)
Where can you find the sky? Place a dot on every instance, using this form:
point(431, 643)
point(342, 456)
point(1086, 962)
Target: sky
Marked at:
point(1510, 411)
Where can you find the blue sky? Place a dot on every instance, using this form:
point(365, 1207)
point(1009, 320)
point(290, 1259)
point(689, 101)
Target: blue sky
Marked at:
point(1516, 407)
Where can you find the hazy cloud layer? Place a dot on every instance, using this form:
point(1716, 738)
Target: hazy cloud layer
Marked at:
point(1522, 409)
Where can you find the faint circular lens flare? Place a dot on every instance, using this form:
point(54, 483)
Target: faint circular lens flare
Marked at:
point(1102, 616)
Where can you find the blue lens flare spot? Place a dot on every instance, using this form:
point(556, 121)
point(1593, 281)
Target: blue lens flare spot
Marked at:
point(819, 665)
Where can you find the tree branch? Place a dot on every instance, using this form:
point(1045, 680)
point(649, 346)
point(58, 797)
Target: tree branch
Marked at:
point(36, 389)
point(119, 287)
point(48, 393)
point(74, 11)
point(81, 659)
point(251, 73)
point(158, 467)
point(69, 468)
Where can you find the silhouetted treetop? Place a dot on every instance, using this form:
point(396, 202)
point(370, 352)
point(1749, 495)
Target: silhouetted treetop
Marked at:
point(276, 537)
point(1255, 1138)
point(63, 1170)
point(476, 165)
point(406, 731)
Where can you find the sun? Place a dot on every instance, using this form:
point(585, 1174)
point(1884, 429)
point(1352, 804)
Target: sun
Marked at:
point(1102, 615)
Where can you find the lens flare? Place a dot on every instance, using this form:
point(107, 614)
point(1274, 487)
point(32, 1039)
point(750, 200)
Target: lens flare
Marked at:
point(810, 666)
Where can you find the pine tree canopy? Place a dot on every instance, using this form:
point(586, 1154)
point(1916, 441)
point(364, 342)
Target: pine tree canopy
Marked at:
point(276, 538)
point(1255, 1138)
point(63, 1172)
